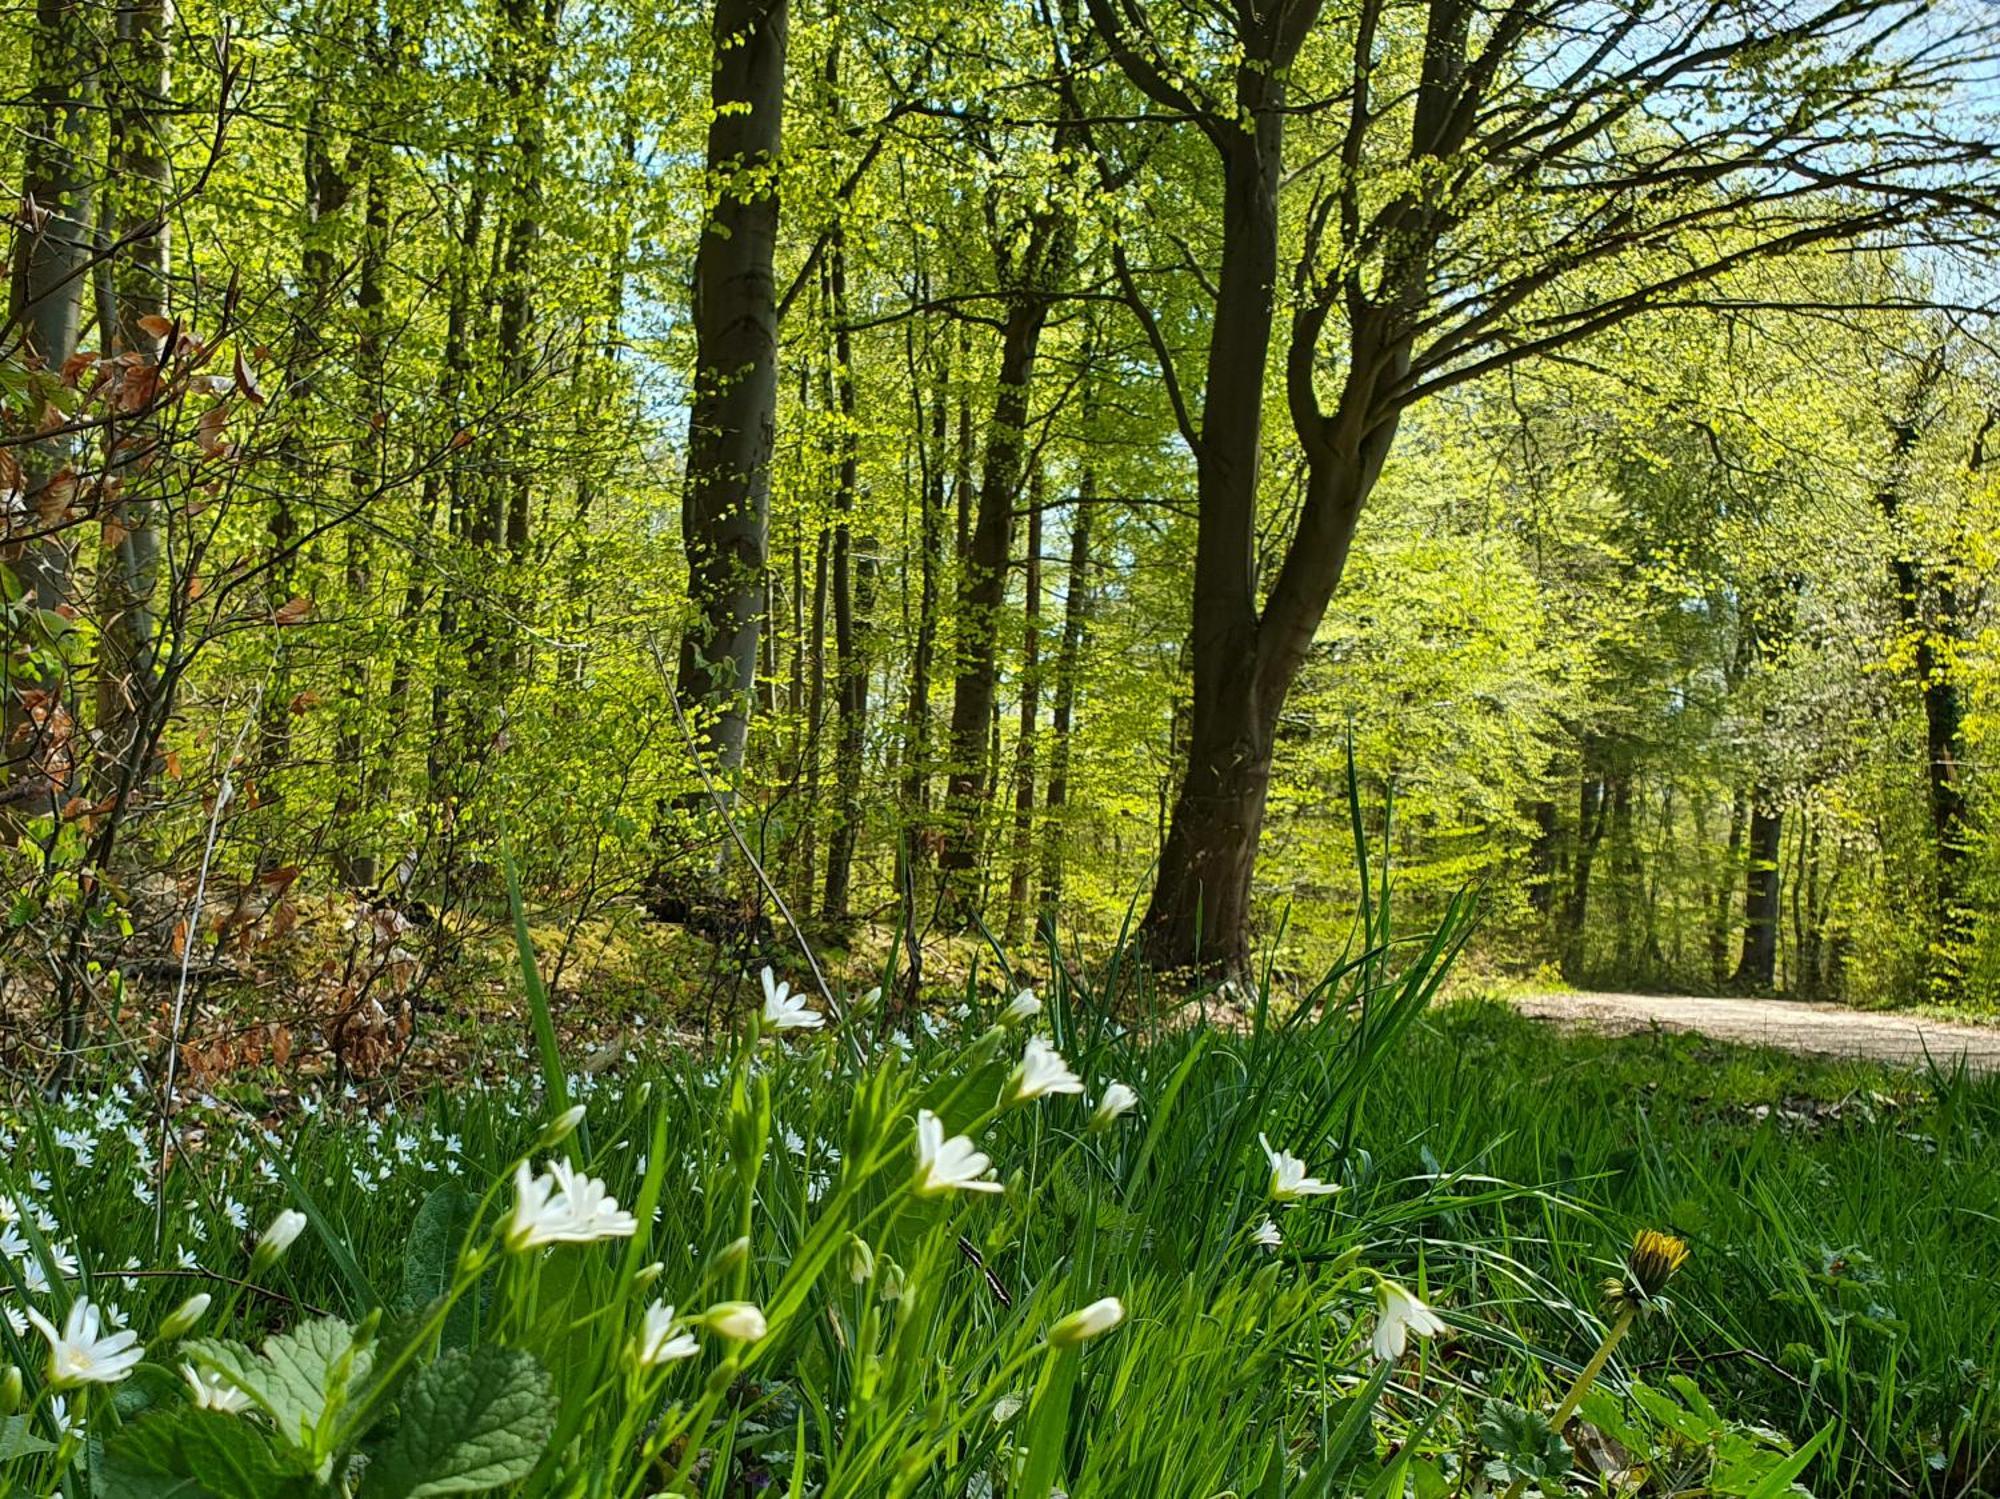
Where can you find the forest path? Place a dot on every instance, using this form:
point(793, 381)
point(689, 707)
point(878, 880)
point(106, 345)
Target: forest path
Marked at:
point(1810, 1029)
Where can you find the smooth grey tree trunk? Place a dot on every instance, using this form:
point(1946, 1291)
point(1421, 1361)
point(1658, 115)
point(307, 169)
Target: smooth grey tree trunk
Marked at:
point(52, 252)
point(731, 424)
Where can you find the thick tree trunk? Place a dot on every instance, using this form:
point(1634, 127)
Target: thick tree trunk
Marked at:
point(1757, 968)
point(1245, 660)
point(1200, 907)
point(1031, 707)
point(731, 425)
point(1068, 677)
point(982, 592)
point(128, 683)
point(51, 262)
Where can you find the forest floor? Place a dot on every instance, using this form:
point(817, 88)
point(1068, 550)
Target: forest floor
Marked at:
point(1806, 1029)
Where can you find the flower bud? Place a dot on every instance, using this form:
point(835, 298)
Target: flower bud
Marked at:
point(895, 1283)
point(559, 1128)
point(286, 1227)
point(1021, 1009)
point(731, 1257)
point(1118, 1100)
point(183, 1318)
point(10, 1390)
point(739, 1321)
point(645, 1275)
point(1080, 1327)
point(859, 1259)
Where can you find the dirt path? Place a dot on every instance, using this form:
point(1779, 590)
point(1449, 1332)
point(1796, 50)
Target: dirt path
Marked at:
point(1815, 1030)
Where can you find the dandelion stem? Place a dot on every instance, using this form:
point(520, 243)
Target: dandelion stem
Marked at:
point(1594, 1368)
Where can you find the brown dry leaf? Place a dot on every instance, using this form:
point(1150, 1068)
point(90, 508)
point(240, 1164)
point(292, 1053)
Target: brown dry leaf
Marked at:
point(53, 500)
point(292, 611)
point(247, 382)
point(208, 431)
point(304, 702)
point(156, 325)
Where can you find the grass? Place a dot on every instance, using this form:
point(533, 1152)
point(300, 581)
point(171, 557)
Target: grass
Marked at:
point(1844, 1223)
point(1845, 1218)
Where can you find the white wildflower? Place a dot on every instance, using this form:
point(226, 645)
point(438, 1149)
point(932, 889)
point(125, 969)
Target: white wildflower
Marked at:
point(1118, 1101)
point(660, 1340)
point(1398, 1315)
point(214, 1393)
point(563, 1206)
point(1289, 1181)
point(947, 1165)
point(1040, 1072)
point(82, 1353)
point(786, 1011)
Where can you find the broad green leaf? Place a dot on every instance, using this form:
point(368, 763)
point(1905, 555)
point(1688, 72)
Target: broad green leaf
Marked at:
point(17, 1441)
point(299, 1379)
point(199, 1454)
point(435, 1235)
point(473, 1420)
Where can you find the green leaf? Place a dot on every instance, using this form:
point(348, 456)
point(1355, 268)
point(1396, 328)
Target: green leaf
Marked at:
point(435, 1235)
point(1780, 1479)
point(1525, 1446)
point(473, 1420)
point(198, 1454)
point(300, 1380)
point(17, 1441)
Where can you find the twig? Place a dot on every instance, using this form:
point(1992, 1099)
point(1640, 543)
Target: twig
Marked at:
point(722, 810)
point(222, 795)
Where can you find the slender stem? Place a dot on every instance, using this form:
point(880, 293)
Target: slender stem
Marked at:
point(1594, 1368)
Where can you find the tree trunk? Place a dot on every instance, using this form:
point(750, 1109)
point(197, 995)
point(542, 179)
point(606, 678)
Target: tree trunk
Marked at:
point(1031, 278)
point(726, 508)
point(1245, 660)
point(930, 563)
point(461, 489)
point(1719, 925)
point(851, 665)
point(1758, 966)
point(1031, 707)
point(128, 571)
point(1069, 658)
point(1624, 880)
point(1928, 608)
point(1592, 817)
point(361, 782)
point(815, 721)
point(326, 190)
point(51, 262)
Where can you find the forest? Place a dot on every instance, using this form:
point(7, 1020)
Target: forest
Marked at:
point(1009, 490)
point(516, 515)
